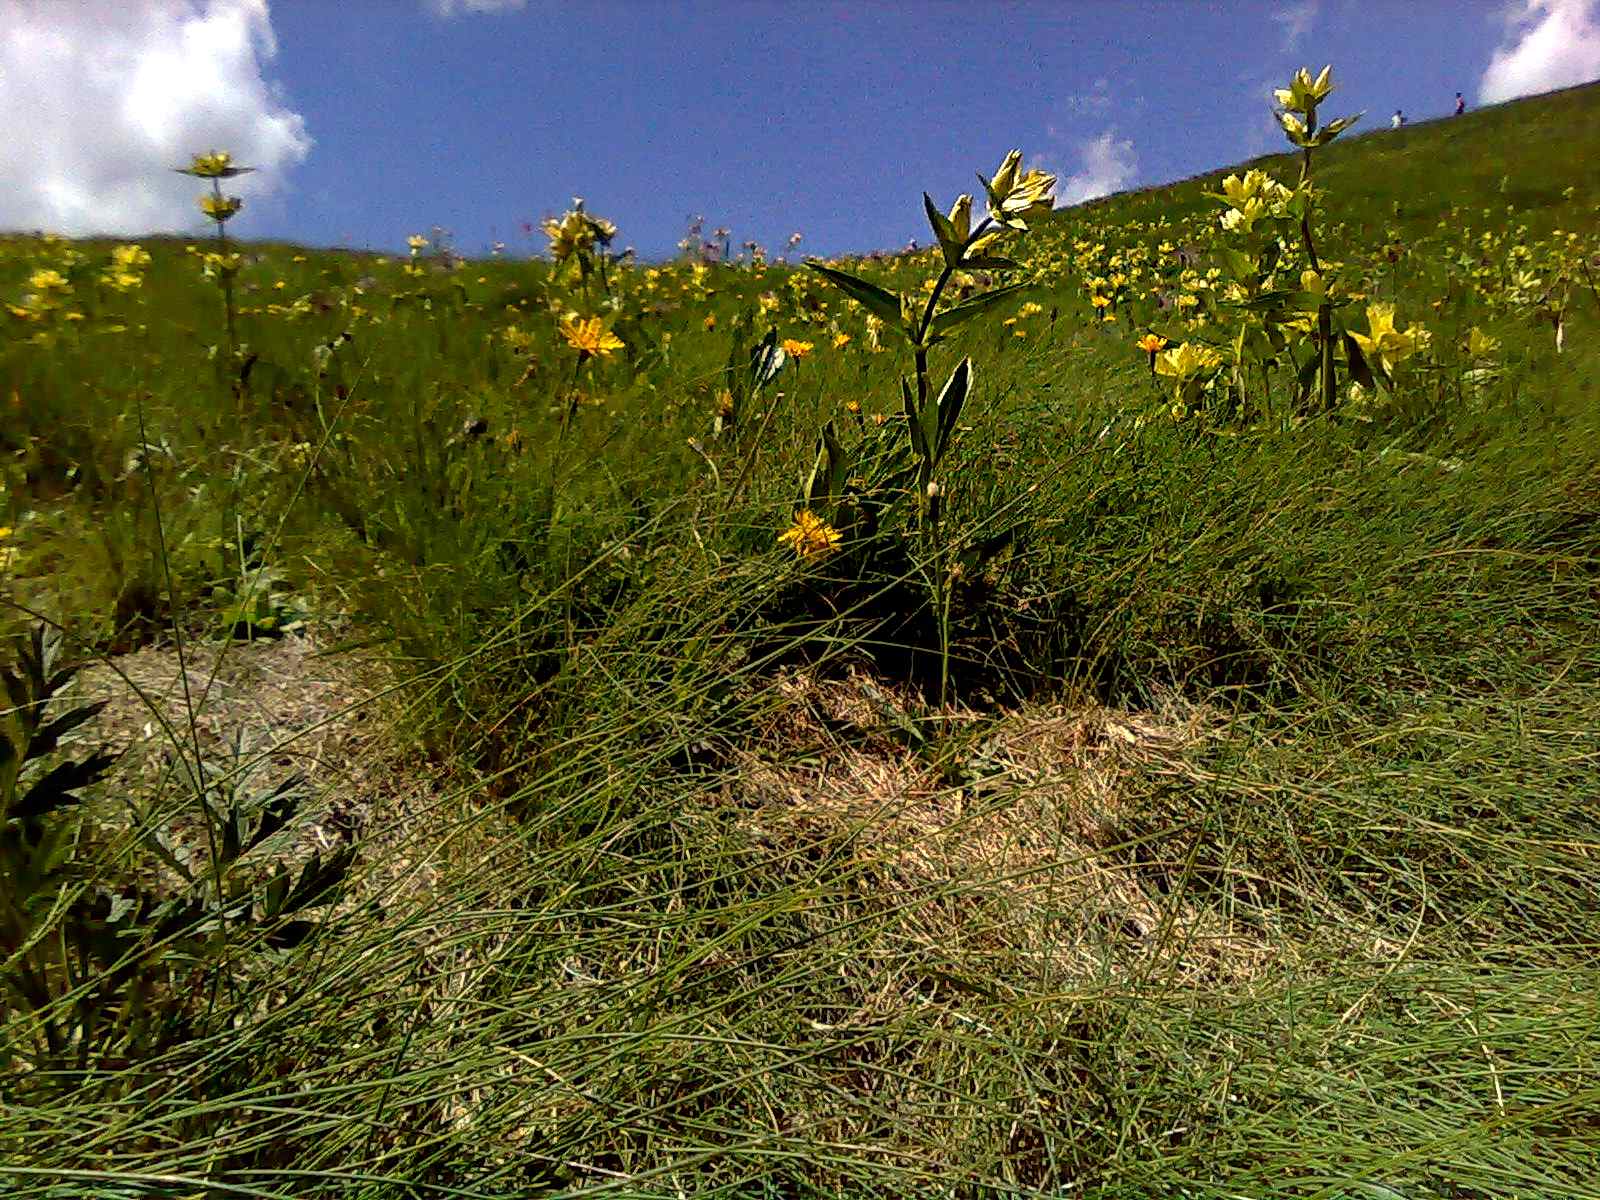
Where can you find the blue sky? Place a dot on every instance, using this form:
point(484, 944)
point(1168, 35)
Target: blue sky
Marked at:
point(379, 118)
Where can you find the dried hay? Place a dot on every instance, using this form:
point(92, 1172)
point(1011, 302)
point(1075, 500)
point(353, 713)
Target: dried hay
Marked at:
point(1019, 863)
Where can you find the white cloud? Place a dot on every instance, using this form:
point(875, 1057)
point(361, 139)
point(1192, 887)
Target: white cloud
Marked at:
point(1108, 165)
point(456, 8)
point(1548, 44)
point(1296, 19)
point(112, 94)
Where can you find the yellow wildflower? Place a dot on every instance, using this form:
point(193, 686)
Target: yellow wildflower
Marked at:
point(796, 349)
point(589, 338)
point(1304, 93)
point(1386, 344)
point(1187, 360)
point(220, 208)
point(810, 535)
point(1015, 197)
point(131, 257)
point(216, 165)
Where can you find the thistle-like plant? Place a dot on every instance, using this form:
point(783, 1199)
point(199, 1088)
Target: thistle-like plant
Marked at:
point(39, 829)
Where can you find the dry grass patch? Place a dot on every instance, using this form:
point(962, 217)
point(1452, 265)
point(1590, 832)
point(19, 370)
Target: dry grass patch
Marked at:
point(1018, 862)
point(260, 713)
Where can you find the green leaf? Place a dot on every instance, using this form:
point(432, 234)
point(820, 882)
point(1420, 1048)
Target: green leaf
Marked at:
point(766, 360)
point(984, 552)
point(883, 304)
point(1280, 300)
point(318, 880)
point(48, 738)
point(57, 788)
point(1306, 375)
point(1357, 361)
point(808, 489)
point(951, 398)
point(734, 378)
point(1238, 264)
point(838, 462)
point(278, 806)
point(950, 318)
point(277, 891)
point(942, 229)
point(231, 835)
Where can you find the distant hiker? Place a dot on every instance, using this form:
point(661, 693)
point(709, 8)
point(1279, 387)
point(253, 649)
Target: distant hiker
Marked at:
point(1397, 120)
point(1461, 105)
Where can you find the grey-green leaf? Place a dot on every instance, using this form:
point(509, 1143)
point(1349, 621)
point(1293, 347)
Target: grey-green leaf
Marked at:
point(977, 306)
point(951, 398)
point(883, 304)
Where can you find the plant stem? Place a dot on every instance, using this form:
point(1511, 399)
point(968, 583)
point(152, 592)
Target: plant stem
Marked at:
point(1324, 310)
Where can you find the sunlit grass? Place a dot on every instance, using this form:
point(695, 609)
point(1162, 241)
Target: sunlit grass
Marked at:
point(1249, 852)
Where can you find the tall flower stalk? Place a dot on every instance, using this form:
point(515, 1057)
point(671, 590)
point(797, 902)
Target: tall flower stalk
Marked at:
point(217, 166)
point(1298, 116)
point(1015, 198)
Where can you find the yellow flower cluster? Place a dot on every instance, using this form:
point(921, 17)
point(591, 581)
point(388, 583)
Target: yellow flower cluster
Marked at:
point(220, 208)
point(125, 273)
point(1386, 345)
point(576, 232)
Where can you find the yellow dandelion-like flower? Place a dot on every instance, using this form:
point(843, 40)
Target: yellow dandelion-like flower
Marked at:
point(1152, 343)
point(796, 349)
point(590, 338)
point(811, 536)
point(841, 340)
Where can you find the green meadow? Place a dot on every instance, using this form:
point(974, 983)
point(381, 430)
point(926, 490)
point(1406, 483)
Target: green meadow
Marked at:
point(1107, 711)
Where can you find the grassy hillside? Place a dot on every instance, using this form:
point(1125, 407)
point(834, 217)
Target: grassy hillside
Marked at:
point(1191, 794)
